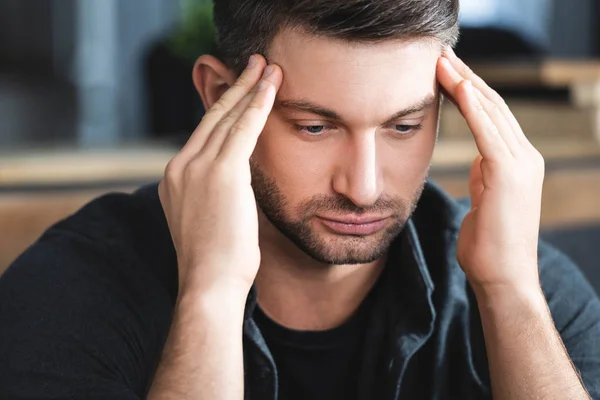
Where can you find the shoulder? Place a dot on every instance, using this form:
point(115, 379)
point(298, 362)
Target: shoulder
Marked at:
point(116, 215)
point(101, 286)
point(113, 235)
point(572, 301)
point(438, 218)
point(128, 225)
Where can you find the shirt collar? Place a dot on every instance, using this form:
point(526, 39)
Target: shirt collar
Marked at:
point(412, 283)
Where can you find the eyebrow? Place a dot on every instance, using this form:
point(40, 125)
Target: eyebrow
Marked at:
point(309, 107)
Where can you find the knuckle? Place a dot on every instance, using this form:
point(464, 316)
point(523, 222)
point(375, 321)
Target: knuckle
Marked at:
point(194, 166)
point(161, 190)
point(238, 129)
point(493, 129)
point(497, 99)
point(494, 109)
point(172, 168)
point(243, 82)
point(258, 104)
point(479, 107)
point(539, 160)
point(221, 171)
point(193, 171)
point(217, 108)
point(228, 120)
point(467, 71)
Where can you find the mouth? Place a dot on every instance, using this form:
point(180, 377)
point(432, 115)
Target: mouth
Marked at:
point(354, 225)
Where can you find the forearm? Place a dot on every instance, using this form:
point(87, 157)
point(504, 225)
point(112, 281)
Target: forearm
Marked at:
point(203, 355)
point(526, 355)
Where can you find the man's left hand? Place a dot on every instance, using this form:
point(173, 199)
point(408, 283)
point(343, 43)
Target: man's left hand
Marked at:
point(497, 243)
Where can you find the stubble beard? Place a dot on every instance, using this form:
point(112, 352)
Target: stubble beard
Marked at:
point(330, 249)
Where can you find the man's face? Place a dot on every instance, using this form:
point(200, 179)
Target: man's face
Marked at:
point(346, 150)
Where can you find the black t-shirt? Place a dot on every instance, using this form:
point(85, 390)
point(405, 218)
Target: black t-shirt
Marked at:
point(86, 310)
point(319, 365)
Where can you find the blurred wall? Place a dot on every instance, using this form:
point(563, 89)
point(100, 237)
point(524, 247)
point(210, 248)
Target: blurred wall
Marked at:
point(564, 28)
point(94, 52)
point(73, 69)
point(113, 38)
point(574, 23)
point(26, 33)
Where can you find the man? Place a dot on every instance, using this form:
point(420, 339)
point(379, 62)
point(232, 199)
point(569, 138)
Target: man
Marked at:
point(293, 250)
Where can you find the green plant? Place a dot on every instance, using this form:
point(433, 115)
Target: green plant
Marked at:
point(196, 33)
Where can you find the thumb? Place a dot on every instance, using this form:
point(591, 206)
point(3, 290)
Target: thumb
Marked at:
point(476, 182)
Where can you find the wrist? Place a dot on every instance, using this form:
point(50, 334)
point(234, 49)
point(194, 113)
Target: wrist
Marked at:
point(212, 281)
point(221, 301)
point(511, 300)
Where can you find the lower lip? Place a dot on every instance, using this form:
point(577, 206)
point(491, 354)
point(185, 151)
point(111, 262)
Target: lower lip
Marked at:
point(354, 229)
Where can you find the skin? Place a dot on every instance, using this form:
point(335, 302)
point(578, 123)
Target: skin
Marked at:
point(225, 243)
point(355, 158)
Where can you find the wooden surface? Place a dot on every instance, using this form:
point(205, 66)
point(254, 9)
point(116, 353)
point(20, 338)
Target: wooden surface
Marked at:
point(544, 120)
point(570, 197)
point(552, 73)
point(25, 216)
point(459, 153)
point(83, 166)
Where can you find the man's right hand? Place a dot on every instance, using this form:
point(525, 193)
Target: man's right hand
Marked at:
point(206, 191)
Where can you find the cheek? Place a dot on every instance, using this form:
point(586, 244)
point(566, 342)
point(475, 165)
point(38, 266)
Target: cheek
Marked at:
point(406, 166)
point(300, 169)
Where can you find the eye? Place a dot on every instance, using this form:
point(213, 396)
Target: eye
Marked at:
point(404, 129)
point(311, 130)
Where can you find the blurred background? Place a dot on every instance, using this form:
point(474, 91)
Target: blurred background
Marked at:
point(96, 96)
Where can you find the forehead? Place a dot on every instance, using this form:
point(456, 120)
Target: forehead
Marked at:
point(378, 79)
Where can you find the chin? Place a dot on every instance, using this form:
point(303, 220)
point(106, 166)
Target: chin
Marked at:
point(334, 249)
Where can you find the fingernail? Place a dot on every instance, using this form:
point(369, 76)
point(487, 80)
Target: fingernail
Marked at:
point(252, 61)
point(268, 71)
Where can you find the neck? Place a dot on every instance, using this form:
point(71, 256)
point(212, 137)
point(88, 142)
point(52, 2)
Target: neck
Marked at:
point(300, 293)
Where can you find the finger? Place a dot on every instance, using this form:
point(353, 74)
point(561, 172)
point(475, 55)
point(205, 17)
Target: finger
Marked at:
point(494, 111)
point(465, 71)
point(217, 137)
point(242, 138)
point(243, 85)
point(447, 96)
point(489, 143)
point(476, 182)
point(487, 137)
point(498, 118)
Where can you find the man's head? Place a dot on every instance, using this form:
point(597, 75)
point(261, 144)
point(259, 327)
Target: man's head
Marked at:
point(345, 152)
point(246, 27)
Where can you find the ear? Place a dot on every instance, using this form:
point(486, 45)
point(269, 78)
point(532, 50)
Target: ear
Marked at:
point(212, 78)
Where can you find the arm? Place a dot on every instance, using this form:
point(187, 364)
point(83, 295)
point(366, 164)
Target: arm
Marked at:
point(497, 246)
point(575, 309)
point(526, 355)
point(203, 357)
point(209, 205)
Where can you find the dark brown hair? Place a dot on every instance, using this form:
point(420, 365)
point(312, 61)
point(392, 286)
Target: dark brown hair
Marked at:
point(246, 27)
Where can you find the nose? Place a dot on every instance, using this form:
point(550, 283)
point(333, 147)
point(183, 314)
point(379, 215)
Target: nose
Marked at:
point(358, 175)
